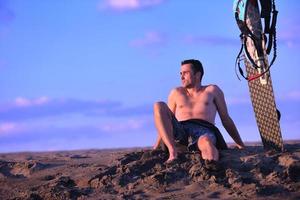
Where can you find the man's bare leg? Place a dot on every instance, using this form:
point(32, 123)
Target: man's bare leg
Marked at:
point(163, 123)
point(208, 149)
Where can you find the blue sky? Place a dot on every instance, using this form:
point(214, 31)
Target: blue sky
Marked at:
point(85, 74)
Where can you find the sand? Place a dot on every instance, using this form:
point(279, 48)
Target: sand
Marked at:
point(140, 173)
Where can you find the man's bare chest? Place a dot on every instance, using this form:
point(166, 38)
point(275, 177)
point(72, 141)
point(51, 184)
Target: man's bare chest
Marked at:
point(200, 101)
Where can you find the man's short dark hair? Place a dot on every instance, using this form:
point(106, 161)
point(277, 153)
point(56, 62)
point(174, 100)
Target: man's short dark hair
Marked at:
point(196, 66)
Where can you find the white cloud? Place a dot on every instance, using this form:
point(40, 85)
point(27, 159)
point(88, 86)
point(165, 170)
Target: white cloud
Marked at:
point(126, 5)
point(123, 4)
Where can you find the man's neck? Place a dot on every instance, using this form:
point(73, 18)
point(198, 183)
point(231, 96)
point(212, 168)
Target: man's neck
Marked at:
point(195, 89)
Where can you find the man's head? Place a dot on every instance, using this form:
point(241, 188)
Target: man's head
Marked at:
point(191, 72)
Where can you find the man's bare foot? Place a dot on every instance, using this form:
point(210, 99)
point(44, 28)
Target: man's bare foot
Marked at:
point(172, 157)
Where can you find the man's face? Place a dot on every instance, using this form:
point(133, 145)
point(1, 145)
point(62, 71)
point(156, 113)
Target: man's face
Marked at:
point(188, 78)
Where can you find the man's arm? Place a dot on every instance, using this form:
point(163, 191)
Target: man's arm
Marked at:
point(225, 118)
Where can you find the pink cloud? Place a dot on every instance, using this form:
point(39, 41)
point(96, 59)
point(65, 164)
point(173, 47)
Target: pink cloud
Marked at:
point(149, 39)
point(127, 5)
point(25, 108)
point(24, 102)
point(5, 127)
point(9, 128)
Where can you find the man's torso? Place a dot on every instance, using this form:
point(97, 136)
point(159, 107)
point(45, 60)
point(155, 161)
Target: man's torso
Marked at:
point(199, 105)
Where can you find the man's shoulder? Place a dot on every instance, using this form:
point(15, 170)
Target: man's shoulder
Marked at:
point(178, 90)
point(213, 88)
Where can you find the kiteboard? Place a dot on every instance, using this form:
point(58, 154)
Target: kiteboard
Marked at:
point(254, 52)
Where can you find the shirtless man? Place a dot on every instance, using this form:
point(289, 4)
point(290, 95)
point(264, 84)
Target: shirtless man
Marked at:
point(193, 101)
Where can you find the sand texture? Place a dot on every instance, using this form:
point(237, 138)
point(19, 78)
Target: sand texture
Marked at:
point(140, 173)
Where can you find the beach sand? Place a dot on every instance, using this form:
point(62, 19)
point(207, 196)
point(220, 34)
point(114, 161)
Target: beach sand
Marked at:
point(140, 173)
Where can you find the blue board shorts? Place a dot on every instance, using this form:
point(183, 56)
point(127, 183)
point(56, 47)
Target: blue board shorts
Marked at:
point(188, 132)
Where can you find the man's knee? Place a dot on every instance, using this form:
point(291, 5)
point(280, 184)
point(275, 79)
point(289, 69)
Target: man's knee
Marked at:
point(160, 108)
point(204, 141)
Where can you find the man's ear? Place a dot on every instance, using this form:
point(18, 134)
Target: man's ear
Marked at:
point(198, 75)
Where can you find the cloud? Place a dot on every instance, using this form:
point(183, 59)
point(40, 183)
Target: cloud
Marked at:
point(23, 102)
point(8, 128)
point(127, 5)
point(100, 133)
point(151, 38)
point(23, 108)
point(57, 126)
point(210, 40)
point(77, 137)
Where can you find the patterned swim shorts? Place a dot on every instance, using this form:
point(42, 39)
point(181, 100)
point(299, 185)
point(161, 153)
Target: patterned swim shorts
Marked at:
point(188, 132)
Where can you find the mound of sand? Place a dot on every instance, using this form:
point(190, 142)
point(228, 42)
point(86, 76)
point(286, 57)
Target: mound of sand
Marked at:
point(143, 174)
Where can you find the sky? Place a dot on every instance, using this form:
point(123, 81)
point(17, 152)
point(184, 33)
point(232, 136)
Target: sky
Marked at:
point(84, 74)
